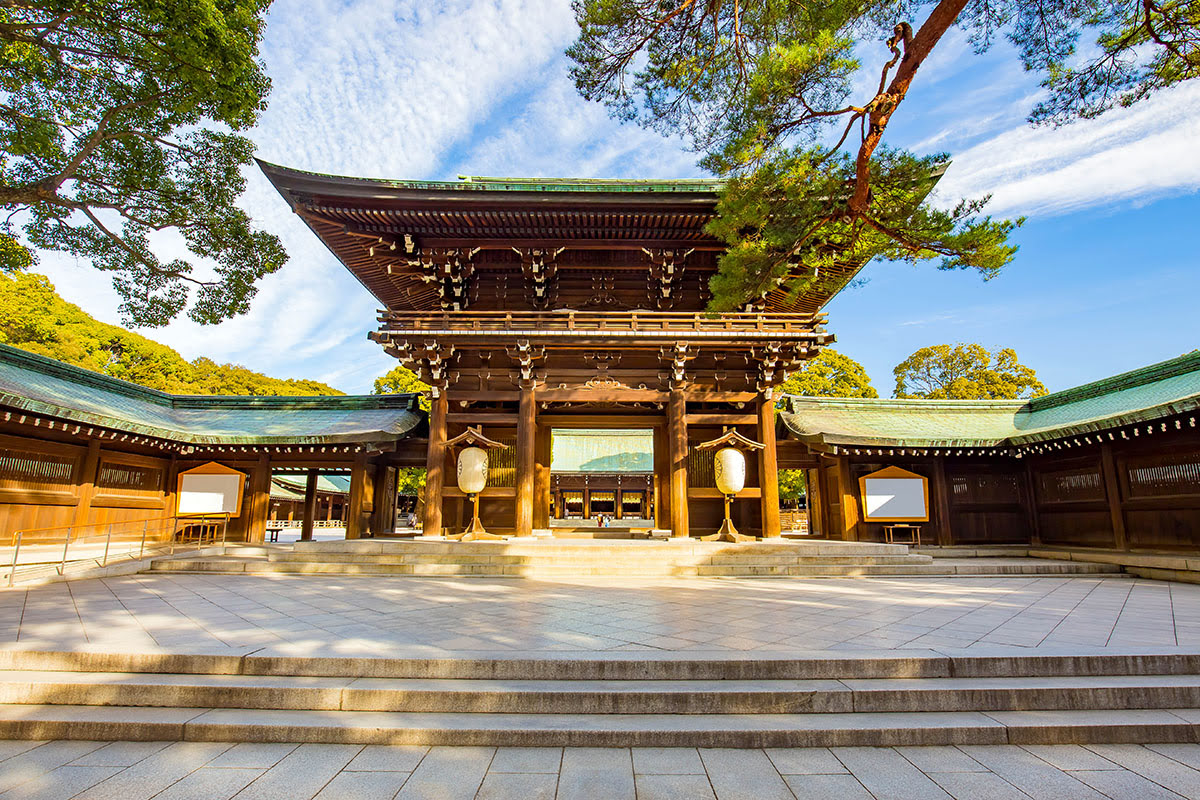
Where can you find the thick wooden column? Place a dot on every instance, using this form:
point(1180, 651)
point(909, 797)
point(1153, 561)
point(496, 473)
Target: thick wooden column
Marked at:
point(260, 499)
point(941, 502)
point(677, 442)
point(661, 487)
point(87, 487)
point(541, 479)
point(383, 517)
point(1112, 493)
point(310, 506)
point(435, 464)
point(849, 504)
point(358, 493)
point(768, 467)
point(526, 458)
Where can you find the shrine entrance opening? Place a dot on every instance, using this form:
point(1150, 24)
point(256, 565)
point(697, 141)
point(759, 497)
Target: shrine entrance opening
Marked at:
point(602, 477)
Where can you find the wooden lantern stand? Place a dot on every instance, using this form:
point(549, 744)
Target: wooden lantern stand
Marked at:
point(731, 438)
point(474, 532)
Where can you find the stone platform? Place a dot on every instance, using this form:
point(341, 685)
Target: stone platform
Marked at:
point(556, 558)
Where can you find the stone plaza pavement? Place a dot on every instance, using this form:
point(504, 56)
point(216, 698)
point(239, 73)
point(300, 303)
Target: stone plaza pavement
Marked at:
point(378, 615)
point(84, 770)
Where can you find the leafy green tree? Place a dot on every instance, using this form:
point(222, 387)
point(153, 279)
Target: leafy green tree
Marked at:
point(33, 317)
point(830, 374)
point(120, 119)
point(401, 380)
point(966, 372)
point(765, 91)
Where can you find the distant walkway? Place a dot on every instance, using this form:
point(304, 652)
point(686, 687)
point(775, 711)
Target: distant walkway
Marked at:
point(413, 615)
point(219, 771)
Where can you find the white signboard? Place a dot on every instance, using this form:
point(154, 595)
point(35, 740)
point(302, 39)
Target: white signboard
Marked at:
point(895, 498)
point(209, 494)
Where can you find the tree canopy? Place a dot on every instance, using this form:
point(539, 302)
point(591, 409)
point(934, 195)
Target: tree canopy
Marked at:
point(401, 380)
point(966, 372)
point(119, 125)
point(830, 374)
point(33, 317)
point(768, 92)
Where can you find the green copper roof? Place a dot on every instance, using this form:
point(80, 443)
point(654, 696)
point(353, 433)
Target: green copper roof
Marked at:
point(602, 451)
point(46, 387)
point(1153, 392)
point(472, 183)
point(293, 487)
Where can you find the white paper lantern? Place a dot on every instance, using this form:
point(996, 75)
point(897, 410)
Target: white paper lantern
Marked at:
point(729, 469)
point(472, 470)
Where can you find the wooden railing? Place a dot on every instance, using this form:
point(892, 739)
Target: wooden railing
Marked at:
point(642, 321)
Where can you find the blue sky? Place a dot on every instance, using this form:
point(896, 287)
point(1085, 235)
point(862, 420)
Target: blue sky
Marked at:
point(1105, 281)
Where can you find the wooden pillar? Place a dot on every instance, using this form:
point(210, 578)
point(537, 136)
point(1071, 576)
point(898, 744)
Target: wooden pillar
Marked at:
point(310, 506)
point(358, 491)
point(849, 500)
point(541, 479)
point(768, 466)
point(678, 443)
point(662, 478)
point(260, 499)
point(1112, 492)
point(941, 499)
point(435, 464)
point(383, 517)
point(526, 458)
point(87, 486)
point(1035, 523)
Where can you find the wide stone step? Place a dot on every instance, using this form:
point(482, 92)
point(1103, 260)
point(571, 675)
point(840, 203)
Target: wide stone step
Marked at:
point(558, 548)
point(599, 697)
point(576, 559)
point(597, 730)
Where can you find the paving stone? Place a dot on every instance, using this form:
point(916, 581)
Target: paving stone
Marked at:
point(119, 754)
point(674, 787)
point(60, 784)
point(1188, 754)
point(1159, 768)
point(10, 748)
point(518, 786)
point(210, 783)
point(888, 775)
point(940, 759)
point(1030, 774)
point(151, 775)
point(448, 773)
point(602, 773)
point(1125, 784)
point(744, 775)
point(804, 760)
point(976, 786)
point(827, 787)
point(363, 786)
point(667, 761)
point(387, 758)
point(527, 759)
point(1069, 756)
point(253, 755)
point(39, 760)
point(301, 773)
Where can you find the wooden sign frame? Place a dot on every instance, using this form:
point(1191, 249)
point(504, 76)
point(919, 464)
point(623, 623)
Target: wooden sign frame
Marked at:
point(212, 468)
point(893, 473)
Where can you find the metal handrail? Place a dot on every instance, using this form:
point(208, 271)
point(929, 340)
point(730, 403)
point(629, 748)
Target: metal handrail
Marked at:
point(19, 536)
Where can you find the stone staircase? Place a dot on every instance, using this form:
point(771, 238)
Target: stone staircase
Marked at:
point(558, 558)
point(604, 699)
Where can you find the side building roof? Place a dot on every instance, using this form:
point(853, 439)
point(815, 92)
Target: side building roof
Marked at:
point(42, 386)
point(1142, 395)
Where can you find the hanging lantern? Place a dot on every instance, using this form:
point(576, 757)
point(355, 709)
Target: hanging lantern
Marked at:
point(472, 470)
point(729, 469)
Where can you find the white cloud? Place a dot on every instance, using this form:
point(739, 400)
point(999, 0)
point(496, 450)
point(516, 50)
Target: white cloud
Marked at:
point(1127, 155)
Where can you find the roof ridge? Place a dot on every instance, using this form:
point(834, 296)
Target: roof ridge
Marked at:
point(61, 369)
point(1163, 370)
point(909, 402)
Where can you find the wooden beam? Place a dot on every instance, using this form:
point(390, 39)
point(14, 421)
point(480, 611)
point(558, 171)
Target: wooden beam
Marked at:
point(1112, 493)
point(722, 419)
point(768, 467)
point(526, 458)
point(435, 463)
point(310, 506)
point(87, 482)
point(502, 418)
point(678, 443)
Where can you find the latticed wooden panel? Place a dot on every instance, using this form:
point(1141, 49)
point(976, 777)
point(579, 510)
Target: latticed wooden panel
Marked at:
point(1164, 475)
point(1079, 484)
point(981, 487)
point(502, 462)
point(33, 471)
point(129, 478)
